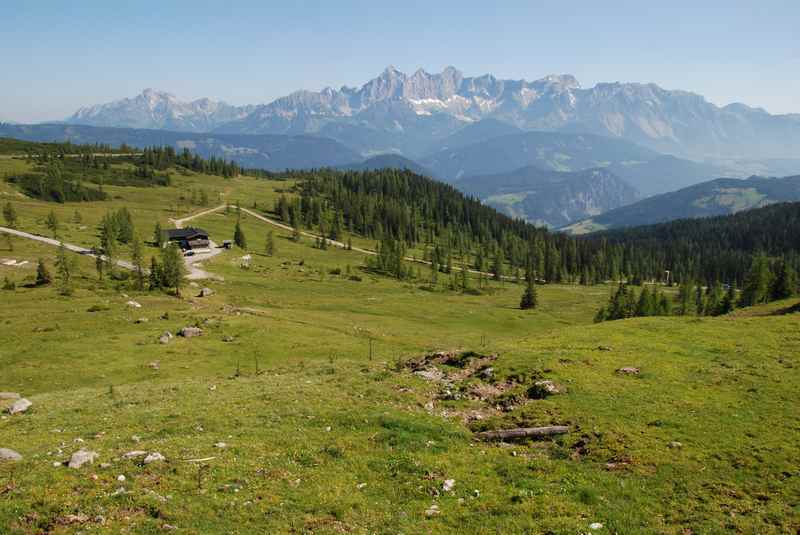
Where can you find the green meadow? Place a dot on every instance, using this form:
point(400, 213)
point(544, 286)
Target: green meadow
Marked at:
point(296, 410)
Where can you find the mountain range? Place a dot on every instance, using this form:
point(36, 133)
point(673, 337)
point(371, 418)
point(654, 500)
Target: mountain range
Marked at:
point(712, 198)
point(414, 114)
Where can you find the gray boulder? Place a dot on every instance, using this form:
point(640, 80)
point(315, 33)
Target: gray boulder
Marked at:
point(19, 406)
point(189, 332)
point(154, 457)
point(165, 338)
point(81, 457)
point(206, 292)
point(9, 455)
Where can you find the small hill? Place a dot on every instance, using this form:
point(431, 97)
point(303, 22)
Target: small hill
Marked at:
point(551, 198)
point(716, 197)
point(387, 161)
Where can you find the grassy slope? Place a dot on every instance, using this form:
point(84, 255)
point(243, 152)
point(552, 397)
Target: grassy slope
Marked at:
point(723, 387)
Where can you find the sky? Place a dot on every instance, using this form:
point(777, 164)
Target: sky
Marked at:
point(57, 56)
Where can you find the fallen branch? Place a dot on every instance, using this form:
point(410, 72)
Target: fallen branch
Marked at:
point(523, 432)
point(199, 460)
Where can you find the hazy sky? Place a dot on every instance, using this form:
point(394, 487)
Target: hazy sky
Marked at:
point(56, 56)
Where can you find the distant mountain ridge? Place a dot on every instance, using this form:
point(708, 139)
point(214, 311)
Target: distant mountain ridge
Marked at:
point(271, 152)
point(160, 110)
point(413, 114)
point(715, 197)
point(551, 198)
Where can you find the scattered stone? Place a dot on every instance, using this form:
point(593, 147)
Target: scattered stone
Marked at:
point(9, 455)
point(605, 348)
point(9, 395)
point(136, 438)
point(154, 458)
point(105, 465)
point(81, 457)
point(361, 486)
point(206, 292)
point(189, 332)
point(433, 510)
point(121, 478)
point(628, 370)
point(675, 444)
point(133, 304)
point(595, 525)
point(448, 485)
point(220, 445)
point(487, 374)
point(73, 519)
point(134, 454)
point(430, 374)
point(56, 464)
point(19, 406)
point(228, 338)
point(168, 527)
point(155, 365)
point(165, 338)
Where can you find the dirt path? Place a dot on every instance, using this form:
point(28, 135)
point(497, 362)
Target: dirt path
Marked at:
point(68, 246)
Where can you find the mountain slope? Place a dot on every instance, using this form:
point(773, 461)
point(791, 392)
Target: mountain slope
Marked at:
point(547, 150)
point(668, 173)
point(415, 113)
point(716, 197)
point(550, 198)
point(271, 152)
point(159, 110)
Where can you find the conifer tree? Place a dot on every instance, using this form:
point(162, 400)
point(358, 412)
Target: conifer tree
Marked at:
point(269, 248)
point(64, 268)
point(52, 223)
point(757, 282)
point(529, 297)
point(155, 277)
point(42, 274)
point(137, 257)
point(784, 283)
point(173, 269)
point(158, 235)
point(238, 235)
point(10, 215)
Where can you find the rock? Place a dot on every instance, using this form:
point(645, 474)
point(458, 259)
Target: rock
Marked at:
point(486, 374)
point(155, 365)
point(120, 478)
point(9, 455)
point(628, 370)
point(448, 485)
point(430, 374)
point(595, 525)
point(189, 332)
point(433, 510)
point(134, 454)
point(605, 348)
point(136, 438)
point(19, 406)
point(165, 338)
point(228, 338)
point(154, 457)
point(133, 304)
point(361, 486)
point(9, 395)
point(220, 445)
point(206, 292)
point(81, 457)
point(549, 387)
point(675, 444)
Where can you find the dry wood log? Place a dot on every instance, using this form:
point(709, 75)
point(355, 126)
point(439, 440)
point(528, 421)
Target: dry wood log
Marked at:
point(523, 432)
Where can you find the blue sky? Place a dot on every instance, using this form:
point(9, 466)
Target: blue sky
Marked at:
point(56, 56)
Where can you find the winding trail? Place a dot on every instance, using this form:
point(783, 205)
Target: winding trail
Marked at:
point(68, 246)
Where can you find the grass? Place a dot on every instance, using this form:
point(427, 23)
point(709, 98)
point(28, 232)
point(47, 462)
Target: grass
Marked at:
point(324, 439)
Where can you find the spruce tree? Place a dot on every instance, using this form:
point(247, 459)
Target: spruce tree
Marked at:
point(238, 235)
point(269, 248)
point(42, 274)
point(10, 215)
point(64, 268)
point(784, 283)
point(52, 223)
point(137, 257)
point(158, 235)
point(757, 282)
point(529, 298)
point(173, 268)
